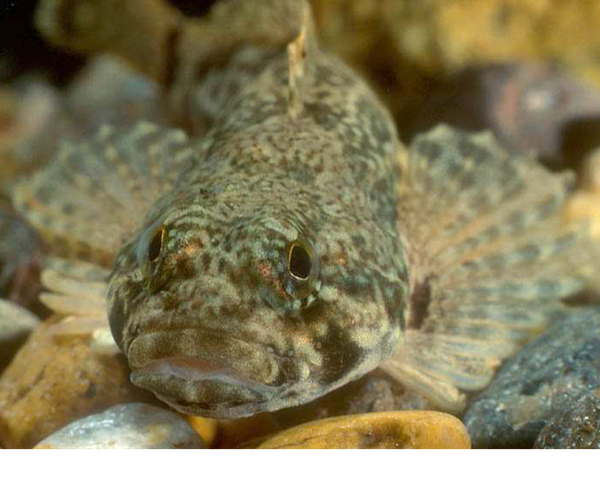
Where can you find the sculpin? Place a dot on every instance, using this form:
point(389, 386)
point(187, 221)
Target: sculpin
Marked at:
point(280, 241)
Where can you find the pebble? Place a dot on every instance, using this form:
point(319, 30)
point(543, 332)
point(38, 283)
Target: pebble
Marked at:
point(27, 107)
point(382, 430)
point(15, 325)
point(577, 427)
point(538, 384)
point(206, 428)
point(37, 117)
point(51, 383)
point(126, 426)
point(375, 392)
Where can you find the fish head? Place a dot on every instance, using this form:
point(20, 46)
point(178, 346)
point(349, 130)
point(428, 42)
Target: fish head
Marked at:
point(239, 298)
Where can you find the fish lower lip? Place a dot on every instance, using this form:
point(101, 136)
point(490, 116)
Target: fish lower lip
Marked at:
point(203, 355)
point(195, 369)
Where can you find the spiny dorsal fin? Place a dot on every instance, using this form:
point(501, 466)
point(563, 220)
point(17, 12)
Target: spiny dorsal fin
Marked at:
point(299, 50)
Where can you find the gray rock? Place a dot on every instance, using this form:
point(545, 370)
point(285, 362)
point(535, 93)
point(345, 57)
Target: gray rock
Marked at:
point(537, 384)
point(126, 426)
point(578, 427)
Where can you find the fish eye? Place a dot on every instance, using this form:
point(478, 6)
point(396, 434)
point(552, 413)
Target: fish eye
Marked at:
point(156, 243)
point(302, 267)
point(299, 261)
point(150, 251)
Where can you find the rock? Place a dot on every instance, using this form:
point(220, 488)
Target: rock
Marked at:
point(20, 250)
point(51, 383)
point(206, 428)
point(232, 433)
point(408, 48)
point(383, 430)
point(577, 427)
point(15, 325)
point(374, 392)
point(106, 91)
point(537, 384)
point(449, 36)
point(126, 426)
point(585, 203)
point(28, 108)
point(532, 108)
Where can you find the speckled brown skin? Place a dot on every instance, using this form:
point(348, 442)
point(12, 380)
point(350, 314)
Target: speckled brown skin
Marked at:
point(297, 244)
point(221, 290)
point(299, 149)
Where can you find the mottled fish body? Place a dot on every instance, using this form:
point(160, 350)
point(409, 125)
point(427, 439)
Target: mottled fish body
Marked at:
point(287, 242)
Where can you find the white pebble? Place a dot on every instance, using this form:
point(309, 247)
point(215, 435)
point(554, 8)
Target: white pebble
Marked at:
point(126, 426)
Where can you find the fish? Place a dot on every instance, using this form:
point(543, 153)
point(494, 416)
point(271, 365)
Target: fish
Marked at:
point(278, 240)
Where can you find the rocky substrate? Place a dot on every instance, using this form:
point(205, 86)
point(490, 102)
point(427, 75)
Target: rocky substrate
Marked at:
point(490, 65)
point(62, 393)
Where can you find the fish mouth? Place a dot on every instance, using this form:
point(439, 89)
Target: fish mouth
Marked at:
point(208, 374)
point(195, 369)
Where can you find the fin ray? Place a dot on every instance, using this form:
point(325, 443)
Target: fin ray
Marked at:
point(492, 247)
point(94, 195)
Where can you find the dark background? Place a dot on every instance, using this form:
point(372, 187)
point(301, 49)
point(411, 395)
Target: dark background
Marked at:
point(22, 49)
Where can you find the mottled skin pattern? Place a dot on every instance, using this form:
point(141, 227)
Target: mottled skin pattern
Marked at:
point(292, 244)
point(221, 289)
